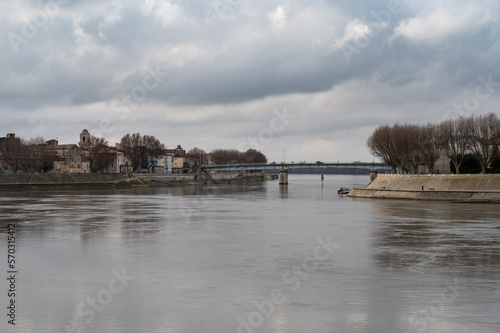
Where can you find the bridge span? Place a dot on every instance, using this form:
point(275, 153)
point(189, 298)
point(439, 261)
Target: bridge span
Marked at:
point(290, 166)
point(284, 168)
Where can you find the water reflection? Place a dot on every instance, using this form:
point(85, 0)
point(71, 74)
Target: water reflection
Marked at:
point(138, 211)
point(283, 191)
point(434, 234)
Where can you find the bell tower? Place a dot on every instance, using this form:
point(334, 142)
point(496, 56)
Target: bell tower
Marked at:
point(84, 138)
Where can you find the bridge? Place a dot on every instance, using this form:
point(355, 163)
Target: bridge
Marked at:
point(284, 168)
point(291, 166)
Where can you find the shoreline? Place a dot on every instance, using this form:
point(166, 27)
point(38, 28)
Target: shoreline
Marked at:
point(456, 188)
point(39, 181)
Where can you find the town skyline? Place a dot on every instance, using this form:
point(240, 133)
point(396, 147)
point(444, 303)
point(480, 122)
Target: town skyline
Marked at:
point(71, 141)
point(136, 152)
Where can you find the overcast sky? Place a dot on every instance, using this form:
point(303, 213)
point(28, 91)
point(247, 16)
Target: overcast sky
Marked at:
point(313, 76)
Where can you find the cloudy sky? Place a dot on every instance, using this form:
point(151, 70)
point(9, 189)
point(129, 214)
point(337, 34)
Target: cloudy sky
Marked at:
point(315, 76)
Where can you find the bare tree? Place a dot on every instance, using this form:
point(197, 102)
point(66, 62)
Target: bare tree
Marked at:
point(381, 145)
point(131, 145)
point(99, 154)
point(225, 156)
point(406, 143)
point(484, 136)
point(141, 150)
point(415, 138)
point(430, 146)
point(197, 154)
point(153, 149)
point(454, 138)
point(253, 156)
point(39, 158)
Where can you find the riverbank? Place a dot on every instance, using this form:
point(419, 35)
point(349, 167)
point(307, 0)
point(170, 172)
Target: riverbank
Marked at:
point(94, 180)
point(462, 188)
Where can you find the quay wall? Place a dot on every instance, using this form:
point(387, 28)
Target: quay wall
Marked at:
point(214, 178)
point(58, 178)
point(229, 178)
point(465, 188)
point(72, 179)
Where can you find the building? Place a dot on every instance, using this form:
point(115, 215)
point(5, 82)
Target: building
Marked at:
point(84, 138)
point(8, 146)
point(60, 151)
point(165, 162)
point(9, 137)
point(121, 163)
point(172, 161)
point(70, 158)
point(72, 161)
point(442, 165)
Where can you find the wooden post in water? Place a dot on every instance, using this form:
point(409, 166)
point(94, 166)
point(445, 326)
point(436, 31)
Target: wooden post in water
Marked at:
point(283, 177)
point(322, 174)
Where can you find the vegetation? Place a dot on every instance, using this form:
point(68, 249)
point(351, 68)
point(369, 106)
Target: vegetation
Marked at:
point(198, 155)
point(226, 156)
point(408, 146)
point(470, 164)
point(141, 150)
point(26, 155)
point(100, 155)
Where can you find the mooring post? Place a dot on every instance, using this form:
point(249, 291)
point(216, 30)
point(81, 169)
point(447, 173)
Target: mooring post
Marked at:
point(283, 177)
point(322, 174)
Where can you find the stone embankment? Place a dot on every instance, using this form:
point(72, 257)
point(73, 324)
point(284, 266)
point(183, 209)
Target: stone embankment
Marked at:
point(13, 180)
point(463, 188)
point(59, 178)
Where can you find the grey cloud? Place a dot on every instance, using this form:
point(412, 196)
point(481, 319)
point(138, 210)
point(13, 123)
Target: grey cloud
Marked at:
point(235, 60)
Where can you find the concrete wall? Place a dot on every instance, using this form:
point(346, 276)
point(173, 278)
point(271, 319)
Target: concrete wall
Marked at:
point(438, 182)
point(435, 187)
point(59, 178)
point(12, 179)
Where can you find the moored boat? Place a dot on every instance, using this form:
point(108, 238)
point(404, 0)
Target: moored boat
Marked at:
point(344, 190)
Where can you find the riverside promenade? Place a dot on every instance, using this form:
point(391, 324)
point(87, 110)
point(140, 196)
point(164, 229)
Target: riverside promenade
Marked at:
point(462, 188)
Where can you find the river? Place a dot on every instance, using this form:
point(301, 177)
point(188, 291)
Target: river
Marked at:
point(248, 258)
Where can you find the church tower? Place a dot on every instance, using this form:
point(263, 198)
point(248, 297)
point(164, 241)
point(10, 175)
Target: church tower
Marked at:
point(84, 138)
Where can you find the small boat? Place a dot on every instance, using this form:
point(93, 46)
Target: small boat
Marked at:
point(344, 190)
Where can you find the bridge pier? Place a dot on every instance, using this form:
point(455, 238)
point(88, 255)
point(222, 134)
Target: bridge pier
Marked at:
point(283, 177)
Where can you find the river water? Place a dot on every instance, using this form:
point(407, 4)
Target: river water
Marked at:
point(248, 258)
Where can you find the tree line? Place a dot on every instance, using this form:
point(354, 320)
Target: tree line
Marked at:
point(227, 156)
point(406, 147)
point(141, 150)
point(26, 155)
